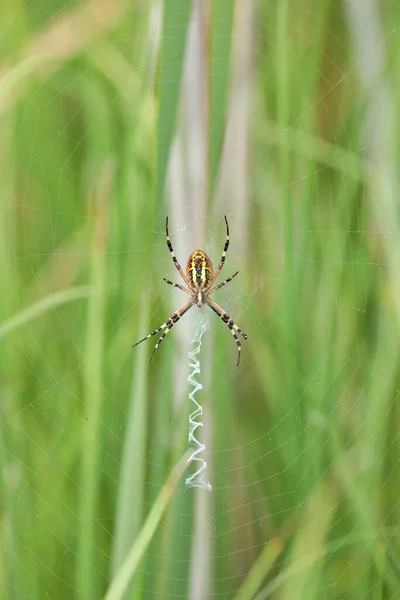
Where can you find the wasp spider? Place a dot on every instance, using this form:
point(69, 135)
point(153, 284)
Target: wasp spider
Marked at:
point(199, 280)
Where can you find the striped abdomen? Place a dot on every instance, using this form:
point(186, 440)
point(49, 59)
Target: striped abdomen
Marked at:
point(199, 269)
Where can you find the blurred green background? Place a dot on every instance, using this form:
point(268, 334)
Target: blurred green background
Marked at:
point(283, 116)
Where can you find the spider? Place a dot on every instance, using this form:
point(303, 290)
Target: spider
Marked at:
point(199, 280)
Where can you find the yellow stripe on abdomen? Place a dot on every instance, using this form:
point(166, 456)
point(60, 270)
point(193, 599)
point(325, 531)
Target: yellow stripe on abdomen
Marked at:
point(203, 272)
point(199, 269)
point(193, 270)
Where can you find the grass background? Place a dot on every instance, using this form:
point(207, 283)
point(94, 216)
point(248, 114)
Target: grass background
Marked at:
point(284, 117)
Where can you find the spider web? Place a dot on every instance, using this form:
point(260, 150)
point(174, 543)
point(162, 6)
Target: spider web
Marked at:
point(301, 440)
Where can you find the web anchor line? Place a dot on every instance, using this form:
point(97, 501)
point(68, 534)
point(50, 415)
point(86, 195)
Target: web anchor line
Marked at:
point(199, 478)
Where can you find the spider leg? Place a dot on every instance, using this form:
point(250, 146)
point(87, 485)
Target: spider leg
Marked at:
point(232, 326)
point(172, 253)
point(222, 284)
point(168, 325)
point(171, 322)
point(225, 250)
point(176, 285)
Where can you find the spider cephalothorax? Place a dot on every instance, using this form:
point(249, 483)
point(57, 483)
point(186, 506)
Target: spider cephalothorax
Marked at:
point(199, 279)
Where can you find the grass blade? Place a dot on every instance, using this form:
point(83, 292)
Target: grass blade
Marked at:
point(41, 307)
point(175, 27)
point(121, 581)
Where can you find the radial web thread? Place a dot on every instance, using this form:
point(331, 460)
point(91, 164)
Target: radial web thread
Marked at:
point(199, 478)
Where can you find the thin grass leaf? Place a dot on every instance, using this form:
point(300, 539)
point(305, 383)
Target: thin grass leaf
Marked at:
point(174, 34)
point(98, 162)
point(43, 306)
point(260, 570)
point(125, 574)
point(132, 489)
point(222, 12)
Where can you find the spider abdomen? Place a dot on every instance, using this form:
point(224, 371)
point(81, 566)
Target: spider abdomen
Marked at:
point(199, 270)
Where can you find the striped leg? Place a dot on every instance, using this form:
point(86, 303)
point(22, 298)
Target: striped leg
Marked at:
point(226, 319)
point(171, 322)
point(168, 325)
point(221, 264)
point(171, 251)
point(180, 287)
point(223, 283)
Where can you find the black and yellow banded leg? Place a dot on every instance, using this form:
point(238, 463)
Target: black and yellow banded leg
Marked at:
point(171, 322)
point(225, 250)
point(180, 287)
point(232, 326)
point(223, 283)
point(168, 325)
point(172, 253)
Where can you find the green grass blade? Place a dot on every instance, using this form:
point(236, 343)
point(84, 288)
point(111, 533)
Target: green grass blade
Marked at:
point(174, 34)
point(43, 306)
point(91, 443)
point(260, 569)
point(101, 170)
point(222, 12)
point(132, 491)
point(121, 581)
